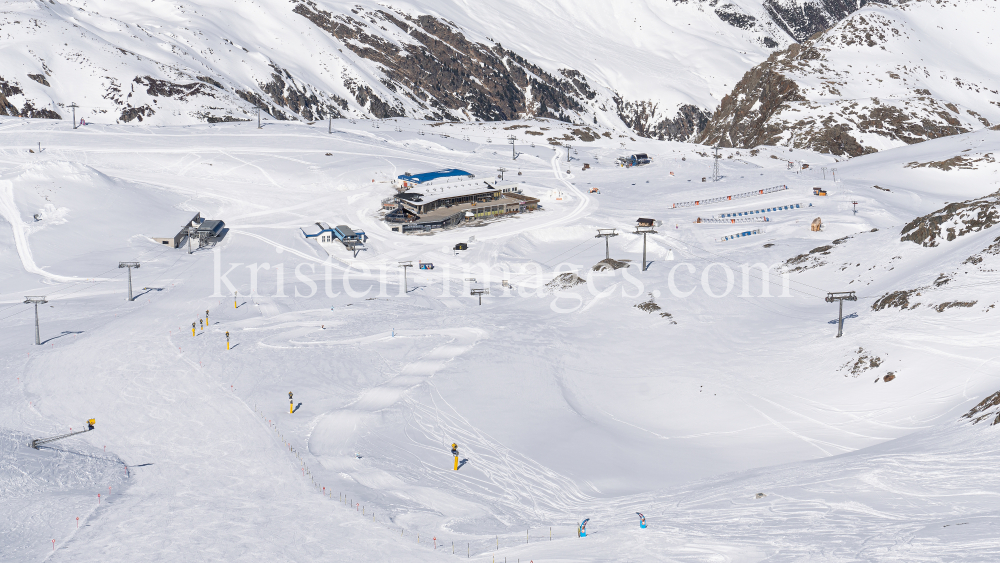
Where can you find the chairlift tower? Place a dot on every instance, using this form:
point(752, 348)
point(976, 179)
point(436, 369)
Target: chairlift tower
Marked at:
point(190, 234)
point(36, 300)
point(642, 230)
point(501, 171)
point(74, 106)
point(129, 265)
point(479, 292)
point(568, 147)
point(607, 234)
point(824, 172)
point(405, 265)
point(513, 148)
point(841, 296)
point(715, 164)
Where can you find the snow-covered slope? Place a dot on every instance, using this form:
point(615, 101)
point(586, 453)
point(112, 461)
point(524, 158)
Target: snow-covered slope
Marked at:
point(656, 67)
point(883, 77)
point(680, 391)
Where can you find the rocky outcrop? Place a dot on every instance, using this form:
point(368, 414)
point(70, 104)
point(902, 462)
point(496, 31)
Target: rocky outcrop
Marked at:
point(9, 89)
point(953, 220)
point(985, 410)
point(804, 18)
point(645, 118)
point(286, 92)
point(745, 117)
point(813, 95)
point(448, 75)
point(794, 20)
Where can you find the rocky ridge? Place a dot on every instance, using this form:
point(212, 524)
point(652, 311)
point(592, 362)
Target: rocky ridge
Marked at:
point(857, 87)
point(365, 60)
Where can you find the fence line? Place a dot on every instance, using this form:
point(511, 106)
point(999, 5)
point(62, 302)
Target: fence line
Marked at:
point(757, 231)
point(729, 197)
point(752, 216)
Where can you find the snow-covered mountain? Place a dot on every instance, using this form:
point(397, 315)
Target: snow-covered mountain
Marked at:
point(657, 68)
point(883, 77)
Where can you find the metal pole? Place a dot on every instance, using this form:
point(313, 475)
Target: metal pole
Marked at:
point(329, 128)
point(258, 116)
point(840, 320)
point(607, 248)
point(38, 340)
point(405, 265)
point(643, 252)
point(130, 283)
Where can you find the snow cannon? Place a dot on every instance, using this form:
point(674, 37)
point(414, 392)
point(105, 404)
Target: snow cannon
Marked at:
point(642, 520)
point(581, 530)
point(40, 441)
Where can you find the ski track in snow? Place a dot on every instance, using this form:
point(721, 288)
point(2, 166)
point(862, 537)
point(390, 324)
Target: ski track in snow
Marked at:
point(8, 209)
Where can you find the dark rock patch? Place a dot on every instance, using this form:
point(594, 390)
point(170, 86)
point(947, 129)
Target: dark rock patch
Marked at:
point(964, 217)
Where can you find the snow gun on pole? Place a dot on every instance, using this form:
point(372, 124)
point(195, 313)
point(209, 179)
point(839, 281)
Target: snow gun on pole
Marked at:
point(39, 441)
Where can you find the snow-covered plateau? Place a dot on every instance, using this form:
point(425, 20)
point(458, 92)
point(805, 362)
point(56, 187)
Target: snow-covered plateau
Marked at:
point(679, 392)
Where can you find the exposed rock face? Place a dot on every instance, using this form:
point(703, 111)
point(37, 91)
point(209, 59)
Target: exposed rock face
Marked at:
point(803, 18)
point(844, 92)
point(10, 89)
point(304, 102)
point(448, 75)
point(985, 410)
point(645, 119)
point(953, 221)
point(900, 299)
point(745, 118)
point(783, 19)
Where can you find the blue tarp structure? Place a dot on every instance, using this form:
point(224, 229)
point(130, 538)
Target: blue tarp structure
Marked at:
point(437, 174)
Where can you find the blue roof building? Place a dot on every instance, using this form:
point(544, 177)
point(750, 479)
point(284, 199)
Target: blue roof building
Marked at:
point(425, 177)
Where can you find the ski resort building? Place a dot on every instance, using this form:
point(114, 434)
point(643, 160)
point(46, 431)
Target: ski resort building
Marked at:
point(205, 231)
point(638, 159)
point(341, 236)
point(437, 205)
